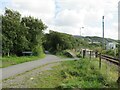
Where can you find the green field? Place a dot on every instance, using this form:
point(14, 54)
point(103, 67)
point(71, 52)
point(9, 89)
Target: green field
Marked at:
point(84, 73)
point(13, 60)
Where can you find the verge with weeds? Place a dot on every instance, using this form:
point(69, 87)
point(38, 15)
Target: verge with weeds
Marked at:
point(13, 60)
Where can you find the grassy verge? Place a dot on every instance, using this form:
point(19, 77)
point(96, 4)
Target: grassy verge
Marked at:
point(84, 73)
point(13, 60)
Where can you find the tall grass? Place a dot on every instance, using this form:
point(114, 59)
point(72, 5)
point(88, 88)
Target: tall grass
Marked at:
point(86, 74)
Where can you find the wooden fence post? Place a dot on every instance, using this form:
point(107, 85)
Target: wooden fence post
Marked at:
point(84, 53)
point(90, 55)
point(100, 61)
point(96, 54)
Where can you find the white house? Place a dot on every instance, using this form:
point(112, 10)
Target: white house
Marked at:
point(111, 45)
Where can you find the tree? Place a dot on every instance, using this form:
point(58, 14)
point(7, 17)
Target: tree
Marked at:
point(21, 34)
point(35, 33)
point(56, 41)
point(10, 27)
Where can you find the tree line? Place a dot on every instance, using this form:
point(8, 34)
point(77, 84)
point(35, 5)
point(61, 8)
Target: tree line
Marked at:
point(56, 42)
point(27, 34)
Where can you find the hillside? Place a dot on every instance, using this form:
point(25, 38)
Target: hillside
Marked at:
point(96, 39)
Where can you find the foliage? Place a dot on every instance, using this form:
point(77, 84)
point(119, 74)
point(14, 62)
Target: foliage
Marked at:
point(55, 41)
point(110, 52)
point(20, 33)
point(85, 74)
point(38, 51)
point(79, 55)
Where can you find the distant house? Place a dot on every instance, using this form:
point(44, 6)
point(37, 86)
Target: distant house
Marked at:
point(93, 42)
point(111, 45)
point(96, 42)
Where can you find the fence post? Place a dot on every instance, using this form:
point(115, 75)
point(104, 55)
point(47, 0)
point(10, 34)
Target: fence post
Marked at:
point(84, 53)
point(96, 54)
point(90, 55)
point(100, 61)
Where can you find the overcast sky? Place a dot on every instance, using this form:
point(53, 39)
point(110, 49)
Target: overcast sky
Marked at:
point(69, 15)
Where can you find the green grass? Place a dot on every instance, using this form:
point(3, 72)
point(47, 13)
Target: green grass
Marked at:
point(13, 60)
point(84, 73)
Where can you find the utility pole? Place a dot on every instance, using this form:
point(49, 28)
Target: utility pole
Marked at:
point(103, 30)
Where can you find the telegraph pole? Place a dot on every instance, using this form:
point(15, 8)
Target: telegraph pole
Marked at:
point(103, 30)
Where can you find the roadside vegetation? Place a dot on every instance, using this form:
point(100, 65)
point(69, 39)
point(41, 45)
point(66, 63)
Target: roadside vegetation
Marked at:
point(80, 74)
point(60, 43)
point(113, 53)
point(13, 60)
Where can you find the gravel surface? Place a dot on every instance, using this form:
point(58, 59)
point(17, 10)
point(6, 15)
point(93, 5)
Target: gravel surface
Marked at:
point(18, 81)
point(20, 68)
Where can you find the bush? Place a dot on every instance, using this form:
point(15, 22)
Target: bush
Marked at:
point(38, 51)
point(109, 52)
point(79, 55)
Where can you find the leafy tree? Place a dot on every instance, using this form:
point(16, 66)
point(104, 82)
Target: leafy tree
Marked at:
point(10, 27)
point(21, 34)
point(35, 32)
point(55, 41)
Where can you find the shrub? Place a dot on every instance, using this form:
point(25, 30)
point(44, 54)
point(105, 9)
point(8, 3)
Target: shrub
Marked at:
point(79, 55)
point(38, 51)
point(109, 52)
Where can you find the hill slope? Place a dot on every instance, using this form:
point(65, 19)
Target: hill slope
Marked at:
point(96, 39)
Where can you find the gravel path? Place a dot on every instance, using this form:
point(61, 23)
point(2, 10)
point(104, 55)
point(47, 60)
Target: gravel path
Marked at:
point(21, 68)
point(19, 81)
